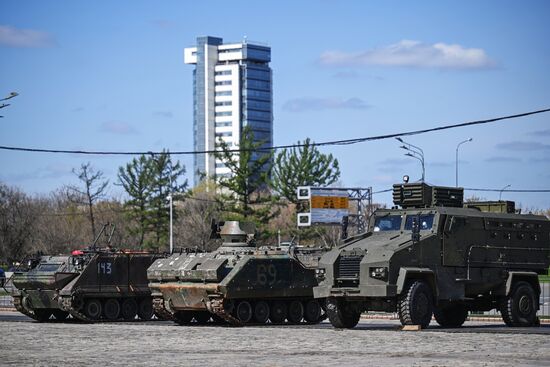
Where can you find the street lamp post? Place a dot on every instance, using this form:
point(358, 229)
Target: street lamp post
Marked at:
point(501, 190)
point(456, 165)
point(414, 152)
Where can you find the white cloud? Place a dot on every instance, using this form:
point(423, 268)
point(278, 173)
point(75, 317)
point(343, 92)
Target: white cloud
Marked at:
point(310, 103)
point(413, 54)
point(16, 37)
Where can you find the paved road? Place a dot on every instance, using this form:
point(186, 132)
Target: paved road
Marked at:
point(373, 342)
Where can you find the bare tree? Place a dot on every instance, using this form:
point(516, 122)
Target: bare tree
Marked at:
point(94, 190)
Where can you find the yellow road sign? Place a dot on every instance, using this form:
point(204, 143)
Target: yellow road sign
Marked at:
point(329, 202)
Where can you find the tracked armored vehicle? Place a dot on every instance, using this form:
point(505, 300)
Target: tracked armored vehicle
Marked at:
point(239, 283)
point(436, 256)
point(90, 285)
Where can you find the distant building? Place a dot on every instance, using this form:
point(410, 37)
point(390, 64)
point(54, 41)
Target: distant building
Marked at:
point(232, 89)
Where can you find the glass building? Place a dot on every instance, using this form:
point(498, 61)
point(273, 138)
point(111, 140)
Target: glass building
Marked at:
point(232, 89)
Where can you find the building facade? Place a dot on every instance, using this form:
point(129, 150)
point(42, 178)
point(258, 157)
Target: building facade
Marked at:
point(232, 89)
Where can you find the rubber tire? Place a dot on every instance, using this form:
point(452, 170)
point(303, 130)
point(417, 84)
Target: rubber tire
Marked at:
point(521, 296)
point(244, 312)
point(451, 316)
point(93, 309)
point(415, 304)
point(278, 312)
point(111, 309)
point(295, 312)
point(60, 315)
point(202, 317)
point(312, 311)
point(340, 314)
point(183, 317)
point(128, 309)
point(145, 309)
point(261, 312)
point(42, 315)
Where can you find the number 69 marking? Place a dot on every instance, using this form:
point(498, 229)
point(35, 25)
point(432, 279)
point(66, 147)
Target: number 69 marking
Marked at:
point(267, 274)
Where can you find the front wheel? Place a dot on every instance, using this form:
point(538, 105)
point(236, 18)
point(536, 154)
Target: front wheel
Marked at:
point(341, 313)
point(519, 308)
point(415, 305)
point(451, 316)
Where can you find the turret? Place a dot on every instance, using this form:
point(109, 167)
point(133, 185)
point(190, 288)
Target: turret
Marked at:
point(236, 234)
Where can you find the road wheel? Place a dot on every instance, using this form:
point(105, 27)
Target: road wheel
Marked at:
point(92, 309)
point(183, 317)
point(415, 305)
point(60, 315)
point(295, 312)
point(312, 311)
point(145, 309)
point(217, 320)
point(278, 312)
point(261, 312)
point(111, 309)
point(341, 314)
point(42, 315)
point(519, 308)
point(202, 317)
point(244, 312)
point(451, 316)
point(129, 309)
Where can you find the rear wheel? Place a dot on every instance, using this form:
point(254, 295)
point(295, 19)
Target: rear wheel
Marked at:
point(60, 315)
point(111, 309)
point(92, 309)
point(295, 312)
point(312, 311)
point(519, 308)
point(42, 315)
point(415, 305)
point(451, 316)
point(129, 309)
point(145, 309)
point(278, 312)
point(261, 312)
point(244, 312)
point(341, 313)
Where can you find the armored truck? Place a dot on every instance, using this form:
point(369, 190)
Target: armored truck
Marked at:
point(239, 283)
point(90, 285)
point(435, 255)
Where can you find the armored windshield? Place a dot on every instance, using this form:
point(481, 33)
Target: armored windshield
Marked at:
point(388, 223)
point(48, 267)
point(425, 221)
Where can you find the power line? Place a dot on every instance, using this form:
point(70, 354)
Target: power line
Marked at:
point(326, 143)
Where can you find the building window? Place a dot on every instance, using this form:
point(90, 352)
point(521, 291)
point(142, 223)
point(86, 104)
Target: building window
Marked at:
point(223, 93)
point(224, 113)
point(227, 50)
point(224, 124)
point(220, 165)
point(223, 72)
point(224, 103)
point(224, 82)
point(224, 134)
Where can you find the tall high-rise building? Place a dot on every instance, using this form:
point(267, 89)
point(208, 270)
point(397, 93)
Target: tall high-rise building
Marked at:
point(232, 89)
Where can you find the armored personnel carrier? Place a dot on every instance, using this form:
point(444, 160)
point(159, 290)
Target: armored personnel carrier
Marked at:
point(239, 283)
point(436, 256)
point(90, 285)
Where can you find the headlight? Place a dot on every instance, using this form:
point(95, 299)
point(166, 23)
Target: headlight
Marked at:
point(320, 273)
point(379, 273)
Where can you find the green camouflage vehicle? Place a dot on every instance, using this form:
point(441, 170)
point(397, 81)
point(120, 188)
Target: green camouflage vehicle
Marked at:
point(239, 283)
point(436, 256)
point(90, 285)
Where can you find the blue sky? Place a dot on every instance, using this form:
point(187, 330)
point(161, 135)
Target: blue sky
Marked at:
point(108, 75)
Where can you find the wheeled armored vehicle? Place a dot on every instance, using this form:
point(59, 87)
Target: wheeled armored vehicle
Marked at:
point(435, 255)
point(239, 283)
point(90, 285)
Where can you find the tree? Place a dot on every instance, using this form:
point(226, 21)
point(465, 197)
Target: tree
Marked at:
point(245, 194)
point(303, 166)
point(94, 190)
point(136, 179)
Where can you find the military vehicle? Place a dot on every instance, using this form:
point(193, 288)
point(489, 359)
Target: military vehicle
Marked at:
point(239, 283)
point(435, 255)
point(90, 285)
